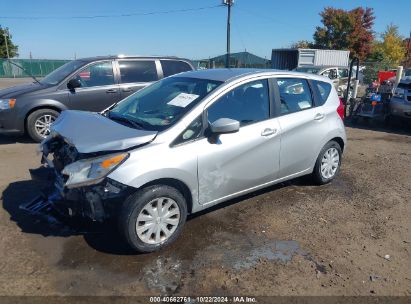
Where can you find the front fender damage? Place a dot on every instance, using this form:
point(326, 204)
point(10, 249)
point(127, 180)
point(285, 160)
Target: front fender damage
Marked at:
point(97, 202)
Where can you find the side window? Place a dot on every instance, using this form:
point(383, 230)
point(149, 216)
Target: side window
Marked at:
point(171, 67)
point(324, 90)
point(343, 73)
point(98, 74)
point(192, 132)
point(295, 95)
point(331, 73)
point(138, 71)
point(247, 103)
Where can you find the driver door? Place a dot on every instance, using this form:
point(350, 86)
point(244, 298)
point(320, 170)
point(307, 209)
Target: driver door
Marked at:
point(243, 160)
point(99, 88)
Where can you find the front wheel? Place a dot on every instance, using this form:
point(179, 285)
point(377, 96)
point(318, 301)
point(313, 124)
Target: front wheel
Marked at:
point(39, 123)
point(153, 217)
point(328, 163)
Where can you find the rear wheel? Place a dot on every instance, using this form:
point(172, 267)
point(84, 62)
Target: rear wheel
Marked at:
point(153, 217)
point(39, 123)
point(328, 163)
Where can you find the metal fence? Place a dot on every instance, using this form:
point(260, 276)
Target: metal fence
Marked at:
point(36, 67)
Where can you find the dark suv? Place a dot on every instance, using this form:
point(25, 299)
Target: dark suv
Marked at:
point(90, 84)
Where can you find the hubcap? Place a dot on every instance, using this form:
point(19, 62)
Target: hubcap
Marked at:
point(43, 124)
point(330, 163)
point(158, 220)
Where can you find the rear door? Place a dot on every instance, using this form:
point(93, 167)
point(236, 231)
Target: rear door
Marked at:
point(303, 125)
point(99, 88)
point(136, 74)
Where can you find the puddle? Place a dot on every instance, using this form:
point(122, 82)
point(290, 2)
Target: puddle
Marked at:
point(163, 274)
point(281, 251)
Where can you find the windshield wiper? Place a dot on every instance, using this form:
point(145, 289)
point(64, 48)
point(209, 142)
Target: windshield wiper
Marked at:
point(24, 70)
point(135, 124)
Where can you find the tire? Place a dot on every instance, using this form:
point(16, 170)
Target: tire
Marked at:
point(39, 118)
point(318, 176)
point(138, 204)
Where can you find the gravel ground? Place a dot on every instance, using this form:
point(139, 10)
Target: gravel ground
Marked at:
point(351, 237)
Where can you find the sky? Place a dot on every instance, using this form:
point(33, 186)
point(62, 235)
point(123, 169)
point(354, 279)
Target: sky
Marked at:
point(256, 25)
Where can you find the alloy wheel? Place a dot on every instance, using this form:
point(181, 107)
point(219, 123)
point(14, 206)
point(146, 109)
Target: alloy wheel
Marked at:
point(43, 124)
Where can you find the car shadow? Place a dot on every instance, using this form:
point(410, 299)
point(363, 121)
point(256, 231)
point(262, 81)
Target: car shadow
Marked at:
point(102, 237)
point(9, 139)
point(399, 127)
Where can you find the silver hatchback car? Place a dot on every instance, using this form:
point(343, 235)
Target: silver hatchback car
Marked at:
point(188, 142)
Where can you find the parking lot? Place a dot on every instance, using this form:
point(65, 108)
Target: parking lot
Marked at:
point(351, 237)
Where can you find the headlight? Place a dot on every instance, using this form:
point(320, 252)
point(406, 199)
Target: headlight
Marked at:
point(91, 171)
point(6, 104)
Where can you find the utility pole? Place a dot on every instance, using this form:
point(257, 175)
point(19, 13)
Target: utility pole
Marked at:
point(228, 3)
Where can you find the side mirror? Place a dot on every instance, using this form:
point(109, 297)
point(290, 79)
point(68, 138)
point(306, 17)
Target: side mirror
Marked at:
point(73, 83)
point(224, 126)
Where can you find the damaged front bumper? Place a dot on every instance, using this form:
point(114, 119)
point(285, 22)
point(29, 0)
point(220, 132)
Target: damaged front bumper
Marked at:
point(97, 202)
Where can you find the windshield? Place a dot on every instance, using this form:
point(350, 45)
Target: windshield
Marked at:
point(308, 70)
point(408, 72)
point(62, 72)
point(162, 104)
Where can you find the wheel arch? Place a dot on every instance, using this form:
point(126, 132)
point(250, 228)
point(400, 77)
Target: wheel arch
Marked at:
point(40, 107)
point(340, 141)
point(177, 184)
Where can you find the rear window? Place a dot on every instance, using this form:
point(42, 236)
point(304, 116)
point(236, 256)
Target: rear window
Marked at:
point(138, 71)
point(171, 67)
point(323, 89)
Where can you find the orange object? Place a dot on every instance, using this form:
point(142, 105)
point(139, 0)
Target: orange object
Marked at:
point(12, 103)
point(374, 103)
point(113, 161)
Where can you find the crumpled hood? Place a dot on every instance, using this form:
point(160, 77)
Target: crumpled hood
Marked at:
point(15, 91)
point(92, 132)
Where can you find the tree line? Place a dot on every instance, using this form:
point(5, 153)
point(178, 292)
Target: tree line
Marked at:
point(353, 30)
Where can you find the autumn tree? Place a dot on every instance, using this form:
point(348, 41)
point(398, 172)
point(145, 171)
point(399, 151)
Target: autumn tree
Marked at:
point(349, 30)
point(12, 48)
point(392, 46)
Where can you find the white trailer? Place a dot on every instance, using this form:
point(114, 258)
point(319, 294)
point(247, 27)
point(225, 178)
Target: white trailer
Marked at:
point(289, 59)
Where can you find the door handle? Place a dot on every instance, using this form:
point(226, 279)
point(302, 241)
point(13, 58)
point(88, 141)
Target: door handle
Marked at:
point(111, 91)
point(268, 132)
point(319, 116)
point(127, 89)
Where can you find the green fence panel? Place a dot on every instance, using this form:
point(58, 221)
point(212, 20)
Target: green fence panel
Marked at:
point(36, 67)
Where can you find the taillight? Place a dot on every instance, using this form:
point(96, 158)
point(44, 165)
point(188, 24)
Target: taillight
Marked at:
point(340, 109)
